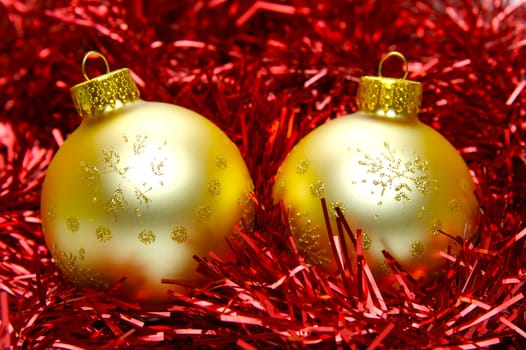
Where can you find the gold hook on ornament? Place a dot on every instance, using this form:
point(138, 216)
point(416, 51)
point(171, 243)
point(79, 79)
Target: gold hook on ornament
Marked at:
point(86, 56)
point(391, 54)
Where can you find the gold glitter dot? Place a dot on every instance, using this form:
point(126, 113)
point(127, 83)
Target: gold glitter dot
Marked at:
point(103, 234)
point(81, 253)
point(436, 226)
point(280, 188)
point(422, 184)
point(146, 237)
point(303, 166)
point(203, 213)
point(384, 267)
point(179, 234)
point(317, 188)
point(454, 206)
point(221, 162)
point(51, 215)
point(244, 199)
point(333, 206)
point(72, 224)
point(366, 241)
point(138, 212)
point(214, 188)
point(246, 202)
point(417, 248)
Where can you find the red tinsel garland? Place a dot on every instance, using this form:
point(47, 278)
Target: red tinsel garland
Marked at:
point(268, 72)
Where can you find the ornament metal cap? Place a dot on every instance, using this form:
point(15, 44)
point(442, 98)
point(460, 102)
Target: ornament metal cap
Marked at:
point(390, 97)
point(105, 92)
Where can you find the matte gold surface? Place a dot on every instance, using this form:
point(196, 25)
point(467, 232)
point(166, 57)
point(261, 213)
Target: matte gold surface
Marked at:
point(396, 179)
point(138, 192)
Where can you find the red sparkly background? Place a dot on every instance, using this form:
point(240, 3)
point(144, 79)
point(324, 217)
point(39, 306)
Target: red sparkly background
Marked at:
point(268, 72)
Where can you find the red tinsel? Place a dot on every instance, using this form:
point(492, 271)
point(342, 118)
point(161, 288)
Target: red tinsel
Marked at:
point(268, 72)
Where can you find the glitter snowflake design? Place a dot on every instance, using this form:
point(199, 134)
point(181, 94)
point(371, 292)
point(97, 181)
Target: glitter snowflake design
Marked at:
point(307, 237)
point(111, 163)
point(391, 173)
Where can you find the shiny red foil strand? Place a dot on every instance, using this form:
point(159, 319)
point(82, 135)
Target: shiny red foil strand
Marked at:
point(268, 72)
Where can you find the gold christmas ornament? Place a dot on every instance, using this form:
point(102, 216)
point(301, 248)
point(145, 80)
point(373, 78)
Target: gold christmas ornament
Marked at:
point(139, 189)
point(398, 180)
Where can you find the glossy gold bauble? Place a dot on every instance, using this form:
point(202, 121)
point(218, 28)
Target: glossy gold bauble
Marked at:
point(139, 189)
point(398, 180)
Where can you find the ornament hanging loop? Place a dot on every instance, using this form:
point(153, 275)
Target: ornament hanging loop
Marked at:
point(105, 92)
point(391, 54)
point(85, 59)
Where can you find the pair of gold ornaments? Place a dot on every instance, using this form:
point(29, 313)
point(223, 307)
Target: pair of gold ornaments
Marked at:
point(141, 187)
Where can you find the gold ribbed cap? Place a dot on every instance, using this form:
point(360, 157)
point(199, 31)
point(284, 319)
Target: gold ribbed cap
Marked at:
point(103, 93)
point(390, 97)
